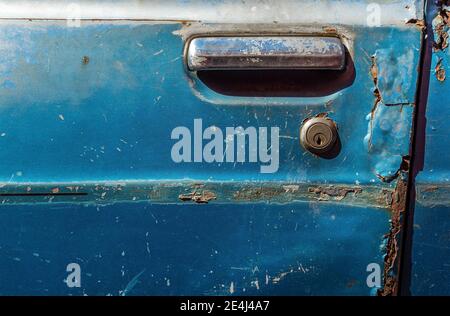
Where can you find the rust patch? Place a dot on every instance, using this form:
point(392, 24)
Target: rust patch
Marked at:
point(398, 204)
point(417, 22)
point(167, 192)
point(376, 93)
point(329, 29)
point(202, 197)
point(85, 60)
point(441, 36)
point(439, 71)
point(186, 23)
point(374, 70)
point(388, 179)
point(338, 194)
point(255, 194)
point(387, 195)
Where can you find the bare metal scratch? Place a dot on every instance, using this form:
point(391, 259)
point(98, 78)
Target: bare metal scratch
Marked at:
point(132, 283)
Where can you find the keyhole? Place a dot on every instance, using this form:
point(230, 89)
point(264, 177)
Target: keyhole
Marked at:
point(319, 140)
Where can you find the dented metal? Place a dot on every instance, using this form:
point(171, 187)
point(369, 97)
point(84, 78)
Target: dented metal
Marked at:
point(85, 138)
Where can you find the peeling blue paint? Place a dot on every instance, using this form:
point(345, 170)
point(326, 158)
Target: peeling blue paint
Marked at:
point(125, 91)
point(394, 66)
point(387, 138)
point(295, 249)
point(97, 104)
point(430, 254)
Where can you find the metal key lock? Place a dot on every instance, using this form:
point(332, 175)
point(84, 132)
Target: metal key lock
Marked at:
point(318, 135)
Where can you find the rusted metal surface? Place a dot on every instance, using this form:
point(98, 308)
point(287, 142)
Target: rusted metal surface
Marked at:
point(440, 26)
point(420, 23)
point(390, 272)
point(389, 97)
point(104, 111)
point(198, 197)
point(439, 71)
point(338, 194)
point(174, 192)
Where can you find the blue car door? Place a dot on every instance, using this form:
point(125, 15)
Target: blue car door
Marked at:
point(206, 147)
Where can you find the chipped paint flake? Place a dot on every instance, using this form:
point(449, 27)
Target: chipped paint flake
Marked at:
point(331, 192)
point(201, 197)
point(439, 71)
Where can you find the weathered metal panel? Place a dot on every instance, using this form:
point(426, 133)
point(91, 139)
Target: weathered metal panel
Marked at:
point(86, 116)
point(140, 248)
point(108, 97)
point(431, 255)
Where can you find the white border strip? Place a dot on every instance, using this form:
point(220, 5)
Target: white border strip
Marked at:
point(350, 12)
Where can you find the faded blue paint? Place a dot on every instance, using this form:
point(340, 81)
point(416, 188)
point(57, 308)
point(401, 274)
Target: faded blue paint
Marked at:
point(431, 250)
point(293, 249)
point(431, 238)
point(111, 110)
point(99, 102)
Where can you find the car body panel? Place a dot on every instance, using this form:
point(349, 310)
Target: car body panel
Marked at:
point(87, 109)
point(431, 231)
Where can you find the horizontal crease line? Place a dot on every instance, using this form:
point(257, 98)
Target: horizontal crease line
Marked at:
point(42, 194)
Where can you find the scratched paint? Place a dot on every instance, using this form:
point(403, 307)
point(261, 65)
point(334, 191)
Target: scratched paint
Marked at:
point(137, 249)
point(171, 192)
point(430, 254)
point(133, 92)
point(87, 109)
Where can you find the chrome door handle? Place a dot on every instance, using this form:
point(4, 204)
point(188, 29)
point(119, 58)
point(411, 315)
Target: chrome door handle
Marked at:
point(264, 52)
